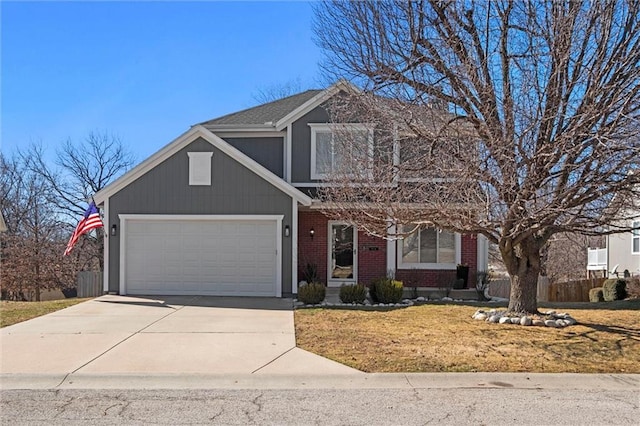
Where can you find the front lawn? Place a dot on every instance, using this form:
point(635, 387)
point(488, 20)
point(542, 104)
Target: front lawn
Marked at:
point(444, 338)
point(15, 312)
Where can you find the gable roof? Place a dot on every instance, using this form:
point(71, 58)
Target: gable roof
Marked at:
point(277, 114)
point(182, 141)
point(264, 114)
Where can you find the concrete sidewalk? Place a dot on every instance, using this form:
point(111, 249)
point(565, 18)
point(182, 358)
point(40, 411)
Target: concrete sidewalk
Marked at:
point(510, 381)
point(116, 335)
point(116, 342)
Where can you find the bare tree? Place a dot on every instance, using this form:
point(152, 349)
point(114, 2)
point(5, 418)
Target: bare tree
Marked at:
point(565, 256)
point(278, 91)
point(35, 239)
point(80, 170)
point(515, 120)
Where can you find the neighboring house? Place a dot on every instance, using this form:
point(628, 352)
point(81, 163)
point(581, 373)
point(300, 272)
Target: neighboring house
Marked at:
point(622, 252)
point(228, 208)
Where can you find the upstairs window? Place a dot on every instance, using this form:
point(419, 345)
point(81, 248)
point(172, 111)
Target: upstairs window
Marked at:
point(337, 147)
point(635, 238)
point(429, 248)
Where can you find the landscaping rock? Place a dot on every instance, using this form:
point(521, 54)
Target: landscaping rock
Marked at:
point(537, 322)
point(550, 323)
point(481, 317)
point(420, 299)
point(447, 299)
point(561, 323)
point(515, 320)
point(494, 318)
point(504, 320)
point(526, 321)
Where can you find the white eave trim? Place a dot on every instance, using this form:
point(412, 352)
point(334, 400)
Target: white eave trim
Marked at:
point(244, 129)
point(314, 102)
point(183, 140)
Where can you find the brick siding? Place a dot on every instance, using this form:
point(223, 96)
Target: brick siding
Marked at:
point(431, 278)
point(372, 255)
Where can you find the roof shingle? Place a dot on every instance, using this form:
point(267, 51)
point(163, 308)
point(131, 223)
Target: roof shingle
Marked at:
point(270, 112)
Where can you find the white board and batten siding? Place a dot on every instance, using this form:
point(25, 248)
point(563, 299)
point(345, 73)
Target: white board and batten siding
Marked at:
point(201, 255)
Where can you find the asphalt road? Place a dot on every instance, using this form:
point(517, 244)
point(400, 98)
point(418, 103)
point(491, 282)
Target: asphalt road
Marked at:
point(321, 407)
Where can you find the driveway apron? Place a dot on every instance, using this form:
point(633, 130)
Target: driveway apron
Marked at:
point(161, 335)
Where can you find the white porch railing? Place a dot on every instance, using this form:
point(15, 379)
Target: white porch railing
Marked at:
point(596, 259)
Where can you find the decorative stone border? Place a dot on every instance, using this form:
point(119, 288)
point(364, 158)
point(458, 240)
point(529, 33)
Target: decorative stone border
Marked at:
point(546, 319)
point(367, 305)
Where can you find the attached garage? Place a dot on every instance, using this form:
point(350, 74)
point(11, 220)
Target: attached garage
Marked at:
point(201, 255)
point(200, 218)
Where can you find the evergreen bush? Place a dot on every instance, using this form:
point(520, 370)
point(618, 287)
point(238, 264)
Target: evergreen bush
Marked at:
point(614, 289)
point(312, 293)
point(596, 295)
point(386, 290)
point(353, 293)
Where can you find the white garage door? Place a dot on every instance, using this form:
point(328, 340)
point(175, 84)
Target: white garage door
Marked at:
point(201, 257)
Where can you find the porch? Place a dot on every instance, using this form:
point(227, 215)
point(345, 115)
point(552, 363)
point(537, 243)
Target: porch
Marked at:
point(596, 259)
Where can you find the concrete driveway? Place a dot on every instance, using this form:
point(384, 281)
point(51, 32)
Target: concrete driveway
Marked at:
point(162, 335)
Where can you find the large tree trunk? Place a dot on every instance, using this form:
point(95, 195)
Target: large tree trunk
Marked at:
point(524, 266)
point(524, 289)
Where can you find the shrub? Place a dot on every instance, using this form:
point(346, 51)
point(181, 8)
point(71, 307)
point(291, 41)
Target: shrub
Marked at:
point(595, 295)
point(310, 273)
point(614, 289)
point(312, 293)
point(353, 293)
point(633, 287)
point(386, 290)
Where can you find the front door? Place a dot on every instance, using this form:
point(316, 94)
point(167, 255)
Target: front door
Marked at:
point(343, 241)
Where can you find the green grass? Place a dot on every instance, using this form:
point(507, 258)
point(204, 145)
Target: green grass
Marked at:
point(444, 338)
point(15, 312)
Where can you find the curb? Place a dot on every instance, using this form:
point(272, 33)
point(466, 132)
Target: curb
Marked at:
point(508, 381)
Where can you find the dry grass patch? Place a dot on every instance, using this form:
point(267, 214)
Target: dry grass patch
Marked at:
point(15, 312)
point(435, 338)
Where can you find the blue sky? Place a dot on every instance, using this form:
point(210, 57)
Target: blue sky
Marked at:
point(144, 71)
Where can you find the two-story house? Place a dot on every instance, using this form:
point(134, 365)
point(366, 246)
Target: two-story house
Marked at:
point(230, 208)
point(621, 253)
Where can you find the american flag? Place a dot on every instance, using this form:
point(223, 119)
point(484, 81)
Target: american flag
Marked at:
point(91, 220)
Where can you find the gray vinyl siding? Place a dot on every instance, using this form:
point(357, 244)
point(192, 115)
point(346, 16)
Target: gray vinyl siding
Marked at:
point(620, 253)
point(267, 152)
point(235, 190)
point(301, 145)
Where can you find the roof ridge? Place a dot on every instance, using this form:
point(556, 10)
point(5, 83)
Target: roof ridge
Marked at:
point(266, 107)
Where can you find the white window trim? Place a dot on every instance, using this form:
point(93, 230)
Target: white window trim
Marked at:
point(196, 160)
point(435, 266)
point(324, 127)
point(635, 235)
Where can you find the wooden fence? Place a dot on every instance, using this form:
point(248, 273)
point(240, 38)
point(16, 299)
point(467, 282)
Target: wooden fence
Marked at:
point(89, 284)
point(571, 291)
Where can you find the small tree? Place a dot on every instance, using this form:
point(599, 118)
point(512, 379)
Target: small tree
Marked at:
point(514, 120)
